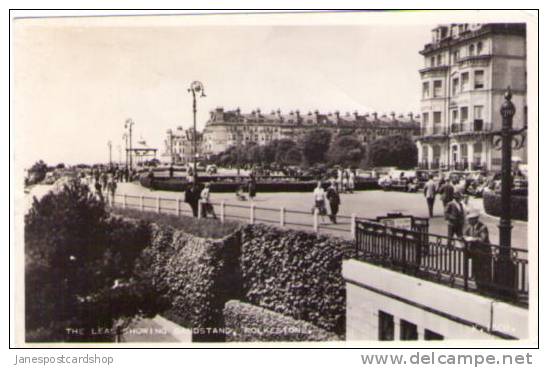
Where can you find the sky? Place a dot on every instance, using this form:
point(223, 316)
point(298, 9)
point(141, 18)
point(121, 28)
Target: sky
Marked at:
point(75, 85)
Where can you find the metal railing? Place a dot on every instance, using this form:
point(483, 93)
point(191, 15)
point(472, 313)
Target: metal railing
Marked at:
point(247, 211)
point(486, 268)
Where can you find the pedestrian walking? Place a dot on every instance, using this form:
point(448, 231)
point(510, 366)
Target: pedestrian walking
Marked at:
point(430, 194)
point(319, 200)
point(192, 197)
point(111, 188)
point(252, 187)
point(334, 201)
point(351, 181)
point(454, 214)
point(446, 191)
point(98, 190)
point(207, 207)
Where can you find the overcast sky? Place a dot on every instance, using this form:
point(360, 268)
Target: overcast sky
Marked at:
point(75, 86)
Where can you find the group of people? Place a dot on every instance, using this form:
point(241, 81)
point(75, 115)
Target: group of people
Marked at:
point(331, 196)
point(456, 210)
point(195, 196)
point(345, 181)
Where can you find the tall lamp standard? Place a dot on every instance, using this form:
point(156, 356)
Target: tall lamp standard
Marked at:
point(129, 125)
point(109, 144)
point(509, 139)
point(125, 138)
point(196, 88)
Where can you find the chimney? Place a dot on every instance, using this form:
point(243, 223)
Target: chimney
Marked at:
point(375, 115)
point(238, 111)
point(356, 114)
point(393, 115)
point(410, 115)
point(298, 114)
point(258, 111)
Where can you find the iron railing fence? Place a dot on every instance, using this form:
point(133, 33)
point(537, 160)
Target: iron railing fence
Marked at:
point(486, 268)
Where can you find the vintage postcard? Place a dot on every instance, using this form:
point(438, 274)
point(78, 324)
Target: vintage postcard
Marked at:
point(331, 179)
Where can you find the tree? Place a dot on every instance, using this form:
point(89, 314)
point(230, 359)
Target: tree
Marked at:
point(397, 150)
point(80, 267)
point(37, 172)
point(346, 150)
point(315, 145)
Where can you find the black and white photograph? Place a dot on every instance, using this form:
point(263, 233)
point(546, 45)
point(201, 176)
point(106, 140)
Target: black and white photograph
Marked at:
point(320, 178)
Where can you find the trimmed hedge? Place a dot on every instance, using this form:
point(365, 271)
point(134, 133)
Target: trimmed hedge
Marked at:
point(178, 185)
point(297, 274)
point(492, 205)
point(195, 276)
point(248, 323)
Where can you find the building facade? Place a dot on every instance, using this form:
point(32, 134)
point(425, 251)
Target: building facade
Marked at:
point(179, 145)
point(232, 128)
point(467, 68)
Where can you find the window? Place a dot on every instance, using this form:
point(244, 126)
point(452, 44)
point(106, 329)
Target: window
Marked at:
point(478, 79)
point(478, 118)
point(431, 335)
point(439, 59)
point(437, 88)
point(432, 61)
point(455, 86)
point(479, 48)
point(454, 116)
point(464, 78)
point(386, 326)
point(408, 331)
point(425, 90)
point(437, 117)
point(425, 118)
point(463, 114)
point(456, 56)
point(471, 50)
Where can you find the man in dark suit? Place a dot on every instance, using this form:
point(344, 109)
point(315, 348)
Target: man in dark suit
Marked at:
point(430, 194)
point(446, 191)
point(454, 214)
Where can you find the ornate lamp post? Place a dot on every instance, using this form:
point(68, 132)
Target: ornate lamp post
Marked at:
point(507, 139)
point(196, 88)
point(109, 144)
point(128, 125)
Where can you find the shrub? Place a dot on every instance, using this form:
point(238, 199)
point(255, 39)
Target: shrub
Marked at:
point(249, 323)
point(204, 227)
point(492, 205)
point(196, 276)
point(80, 268)
point(295, 273)
point(266, 186)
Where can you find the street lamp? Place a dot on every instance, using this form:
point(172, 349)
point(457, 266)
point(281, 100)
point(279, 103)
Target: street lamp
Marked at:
point(109, 144)
point(128, 125)
point(508, 139)
point(196, 88)
point(125, 138)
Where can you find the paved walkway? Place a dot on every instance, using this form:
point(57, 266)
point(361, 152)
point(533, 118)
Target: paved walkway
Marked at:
point(366, 204)
point(157, 329)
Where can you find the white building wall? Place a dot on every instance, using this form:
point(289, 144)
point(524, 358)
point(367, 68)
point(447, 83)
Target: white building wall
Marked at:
point(428, 305)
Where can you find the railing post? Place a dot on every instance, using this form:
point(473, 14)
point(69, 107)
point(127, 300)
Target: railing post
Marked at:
point(465, 268)
point(178, 207)
point(124, 202)
point(199, 208)
point(141, 203)
point(158, 204)
point(282, 216)
point(353, 225)
point(252, 213)
point(222, 214)
point(316, 222)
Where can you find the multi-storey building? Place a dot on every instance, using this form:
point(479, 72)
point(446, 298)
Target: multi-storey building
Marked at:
point(179, 145)
point(231, 128)
point(467, 68)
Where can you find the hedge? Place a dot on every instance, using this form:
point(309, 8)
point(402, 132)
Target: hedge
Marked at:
point(196, 276)
point(296, 273)
point(492, 205)
point(178, 185)
point(249, 323)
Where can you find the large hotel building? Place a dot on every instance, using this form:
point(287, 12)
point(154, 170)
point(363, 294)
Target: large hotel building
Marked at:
point(467, 68)
point(232, 128)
